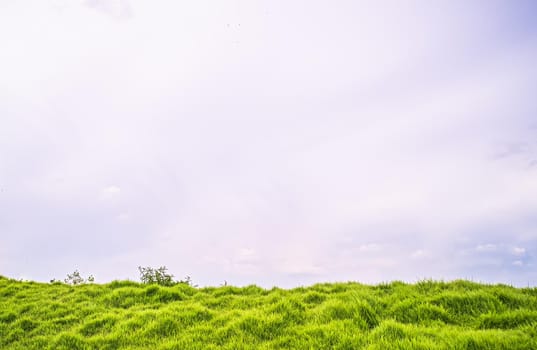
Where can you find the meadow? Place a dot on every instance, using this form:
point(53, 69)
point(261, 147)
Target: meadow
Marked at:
point(130, 315)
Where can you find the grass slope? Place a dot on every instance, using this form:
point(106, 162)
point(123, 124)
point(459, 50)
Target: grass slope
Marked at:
point(128, 315)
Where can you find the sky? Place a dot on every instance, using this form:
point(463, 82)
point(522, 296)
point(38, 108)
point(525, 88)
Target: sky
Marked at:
point(277, 143)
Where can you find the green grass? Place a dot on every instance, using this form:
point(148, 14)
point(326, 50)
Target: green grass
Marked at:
point(127, 315)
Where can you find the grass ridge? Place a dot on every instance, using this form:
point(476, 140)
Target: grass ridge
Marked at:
point(129, 315)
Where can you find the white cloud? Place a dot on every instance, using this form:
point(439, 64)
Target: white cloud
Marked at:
point(518, 263)
point(420, 254)
point(123, 217)
point(519, 251)
point(110, 193)
point(489, 247)
point(370, 247)
point(246, 255)
point(115, 8)
point(293, 267)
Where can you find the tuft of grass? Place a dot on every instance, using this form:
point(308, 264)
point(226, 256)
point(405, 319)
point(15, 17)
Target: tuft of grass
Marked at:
point(397, 315)
point(508, 320)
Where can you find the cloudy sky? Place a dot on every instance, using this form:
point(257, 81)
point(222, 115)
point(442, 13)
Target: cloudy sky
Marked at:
point(269, 142)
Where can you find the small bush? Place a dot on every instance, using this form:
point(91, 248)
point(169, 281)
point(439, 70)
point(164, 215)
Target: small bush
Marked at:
point(160, 276)
point(149, 275)
point(75, 279)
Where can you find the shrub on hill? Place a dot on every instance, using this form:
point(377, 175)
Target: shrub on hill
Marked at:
point(75, 279)
point(160, 276)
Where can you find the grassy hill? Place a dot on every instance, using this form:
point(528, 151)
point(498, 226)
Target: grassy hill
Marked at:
point(129, 315)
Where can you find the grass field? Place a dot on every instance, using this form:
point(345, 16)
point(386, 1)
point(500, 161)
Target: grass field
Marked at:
point(129, 315)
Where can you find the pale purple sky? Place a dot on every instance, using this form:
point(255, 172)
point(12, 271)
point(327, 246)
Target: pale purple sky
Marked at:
point(269, 142)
